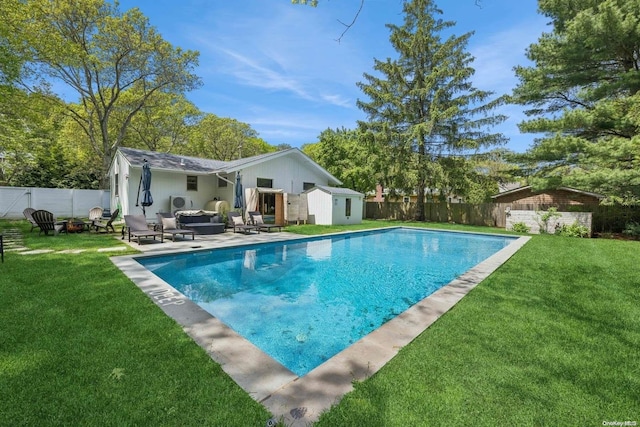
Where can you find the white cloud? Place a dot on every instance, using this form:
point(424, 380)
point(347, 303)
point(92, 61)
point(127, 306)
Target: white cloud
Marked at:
point(496, 57)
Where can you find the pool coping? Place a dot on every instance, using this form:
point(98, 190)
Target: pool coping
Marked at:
point(299, 401)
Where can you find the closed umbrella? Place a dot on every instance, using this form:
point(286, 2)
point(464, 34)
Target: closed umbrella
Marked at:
point(237, 201)
point(145, 183)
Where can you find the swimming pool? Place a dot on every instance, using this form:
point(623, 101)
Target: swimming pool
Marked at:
point(302, 302)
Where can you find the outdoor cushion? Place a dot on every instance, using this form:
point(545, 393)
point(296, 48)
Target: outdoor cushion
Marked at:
point(169, 223)
point(237, 220)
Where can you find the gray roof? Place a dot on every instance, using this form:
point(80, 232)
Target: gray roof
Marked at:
point(175, 162)
point(528, 187)
point(336, 190)
point(170, 161)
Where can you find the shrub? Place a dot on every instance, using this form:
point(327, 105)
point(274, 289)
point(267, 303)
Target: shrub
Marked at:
point(632, 229)
point(520, 227)
point(573, 230)
point(547, 216)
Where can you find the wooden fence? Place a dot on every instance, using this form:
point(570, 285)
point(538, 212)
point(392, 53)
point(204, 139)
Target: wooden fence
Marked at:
point(606, 219)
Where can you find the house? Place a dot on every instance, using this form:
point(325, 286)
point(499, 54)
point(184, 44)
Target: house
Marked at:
point(561, 196)
point(430, 195)
point(190, 183)
point(334, 206)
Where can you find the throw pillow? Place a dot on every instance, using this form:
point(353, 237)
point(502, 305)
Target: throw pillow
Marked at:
point(237, 220)
point(169, 223)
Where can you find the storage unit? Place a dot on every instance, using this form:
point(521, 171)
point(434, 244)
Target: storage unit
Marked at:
point(333, 206)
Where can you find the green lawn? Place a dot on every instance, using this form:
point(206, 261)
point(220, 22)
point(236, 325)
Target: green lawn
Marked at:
point(551, 338)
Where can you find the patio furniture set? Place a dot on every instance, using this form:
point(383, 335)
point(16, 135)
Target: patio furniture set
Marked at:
point(182, 224)
point(46, 221)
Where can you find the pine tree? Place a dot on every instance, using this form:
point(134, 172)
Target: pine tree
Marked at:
point(584, 97)
point(423, 107)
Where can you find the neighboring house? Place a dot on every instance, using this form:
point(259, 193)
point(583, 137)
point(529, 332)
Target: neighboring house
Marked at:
point(382, 194)
point(190, 183)
point(560, 196)
point(334, 206)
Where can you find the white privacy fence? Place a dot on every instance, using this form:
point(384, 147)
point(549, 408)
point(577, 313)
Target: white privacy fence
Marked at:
point(62, 202)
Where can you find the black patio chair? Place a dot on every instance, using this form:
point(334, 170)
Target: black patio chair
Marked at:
point(100, 225)
point(47, 222)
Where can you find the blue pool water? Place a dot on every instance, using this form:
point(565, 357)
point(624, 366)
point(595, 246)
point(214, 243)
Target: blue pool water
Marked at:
point(302, 302)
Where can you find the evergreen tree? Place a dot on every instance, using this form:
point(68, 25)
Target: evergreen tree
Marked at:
point(583, 96)
point(423, 110)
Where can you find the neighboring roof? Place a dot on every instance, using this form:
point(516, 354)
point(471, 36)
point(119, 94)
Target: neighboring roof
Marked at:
point(335, 190)
point(528, 188)
point(173, 162)
point(507, 186)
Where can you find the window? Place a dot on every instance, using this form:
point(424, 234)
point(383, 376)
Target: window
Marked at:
point(347, 207)
point(264, 183)
point(192, 183)
point(307, 185)
point(222, 183)
point(115, 190)
point(406, 199)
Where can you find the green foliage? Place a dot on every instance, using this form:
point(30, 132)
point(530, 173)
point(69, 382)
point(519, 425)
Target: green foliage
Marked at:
point(545, 217)
point(312, 3)
point(100, 53)
point(222, 138)
point(347, 156)
point(422, 109)
point(632, 229)
point(163, 123)
point(520, 227)
point(583, 95)
point(573, 230)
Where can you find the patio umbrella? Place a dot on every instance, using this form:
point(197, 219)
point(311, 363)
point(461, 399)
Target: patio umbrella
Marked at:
point(145, 181)
point(237, 203)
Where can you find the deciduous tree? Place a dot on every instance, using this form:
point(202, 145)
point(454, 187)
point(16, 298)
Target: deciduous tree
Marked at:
point(226, 139)
point(98, 52)
point(346, 156)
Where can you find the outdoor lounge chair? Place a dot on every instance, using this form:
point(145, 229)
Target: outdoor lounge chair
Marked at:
point(137, 227)
point(256, 219)
point(167, 224)
point(28, 213)
point(235, 220)
point(95, 214)
point(47, 222)
point(99, 225)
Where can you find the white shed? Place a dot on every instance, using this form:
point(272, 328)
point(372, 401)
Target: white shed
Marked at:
point(334, 206)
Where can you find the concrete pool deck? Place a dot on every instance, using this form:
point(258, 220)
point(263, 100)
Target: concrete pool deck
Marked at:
point(298, 401)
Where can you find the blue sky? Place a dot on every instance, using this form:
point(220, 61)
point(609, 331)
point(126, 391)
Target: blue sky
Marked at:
point(279, 67)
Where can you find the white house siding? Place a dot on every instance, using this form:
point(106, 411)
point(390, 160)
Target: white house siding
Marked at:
point(164, 184)
point(287, 172)
point(167, 184)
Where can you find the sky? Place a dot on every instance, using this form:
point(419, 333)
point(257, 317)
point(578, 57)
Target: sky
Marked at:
point(281, 69)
